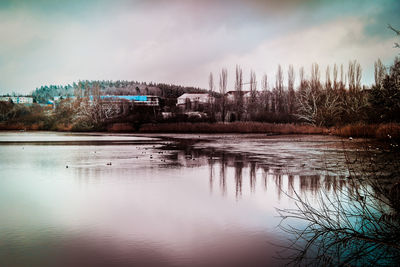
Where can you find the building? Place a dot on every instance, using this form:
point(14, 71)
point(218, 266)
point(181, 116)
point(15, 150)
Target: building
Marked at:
point(190, 101)
point(201, 98)
point(18, 99)
point(139, 100)
point(25, 100)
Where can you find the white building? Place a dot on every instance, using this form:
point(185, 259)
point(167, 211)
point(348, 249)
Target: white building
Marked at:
point(18, 99)
point(199, 98)
point(25, 100)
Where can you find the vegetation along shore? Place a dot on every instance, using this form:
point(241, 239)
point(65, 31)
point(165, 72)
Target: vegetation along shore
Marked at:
point(339, 105)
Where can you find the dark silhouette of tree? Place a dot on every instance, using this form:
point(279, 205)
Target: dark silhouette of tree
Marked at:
point(266, 93)
point(335, 78)
point(223, 79)
point(328, 81)
point(291, 92)
point(211, 92)
point(385, 97)
point(279, 94)
point(379, 73)
point(355, 100)
point(252, 103)
point(239, 101)
point(211, 83)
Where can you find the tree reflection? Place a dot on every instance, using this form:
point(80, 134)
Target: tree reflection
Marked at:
point(233, 171)
point(222, 174)
point(253, 177)
point(238, 166)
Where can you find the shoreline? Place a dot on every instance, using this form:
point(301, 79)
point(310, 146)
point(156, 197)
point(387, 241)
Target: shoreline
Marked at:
point(387, 131)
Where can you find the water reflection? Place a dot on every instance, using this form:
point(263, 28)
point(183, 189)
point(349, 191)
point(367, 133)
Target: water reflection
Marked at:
point(254, 173)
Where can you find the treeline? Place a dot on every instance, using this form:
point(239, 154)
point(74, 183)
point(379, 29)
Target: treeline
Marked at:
point(338, 100)
point(45, 93)
point(84, 113)
point(295, 97)
point(80, 114)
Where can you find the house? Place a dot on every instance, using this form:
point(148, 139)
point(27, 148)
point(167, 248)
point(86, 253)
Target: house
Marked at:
point(193, 101)
point(25, 100)
point(18, 99)
point(201, 98)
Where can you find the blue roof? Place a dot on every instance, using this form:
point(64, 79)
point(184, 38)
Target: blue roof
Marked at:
point(126, 97)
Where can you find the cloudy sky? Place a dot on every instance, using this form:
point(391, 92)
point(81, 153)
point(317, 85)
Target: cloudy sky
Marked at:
point(182, 41)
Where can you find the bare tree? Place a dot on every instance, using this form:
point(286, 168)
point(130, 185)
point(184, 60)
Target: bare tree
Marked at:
point(94, 111)
point(291, 93)
point(328, 81)
point(315, 104)
point(356, 101)
point(379, 73)
point(266, 93)
point(89, 115)
point(211, 90)
point(302, 78)
point(307, 101)
point(211, 83)
point(253, 94)
point(223, 78)
point(302, 92)
point(335, 78)
point(239, 92)
point(342, 79)
point(330, 108)
point(351, 74)
point(279, 91)
point(315, 82)
point(358, 76)
point(308, 104)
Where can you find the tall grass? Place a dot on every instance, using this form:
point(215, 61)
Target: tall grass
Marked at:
point(120, 127)
point(234, 127)
point(379, 131)
point(387, 131)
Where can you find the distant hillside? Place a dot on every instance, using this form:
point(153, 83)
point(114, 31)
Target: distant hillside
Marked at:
point(45, 93)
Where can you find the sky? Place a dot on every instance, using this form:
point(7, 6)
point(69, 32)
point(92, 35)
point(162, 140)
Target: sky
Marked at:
point(45, 42)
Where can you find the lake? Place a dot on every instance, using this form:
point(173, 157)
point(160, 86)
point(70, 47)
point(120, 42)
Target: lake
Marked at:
point(69, 199)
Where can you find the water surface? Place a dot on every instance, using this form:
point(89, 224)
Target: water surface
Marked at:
point(171, 200)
